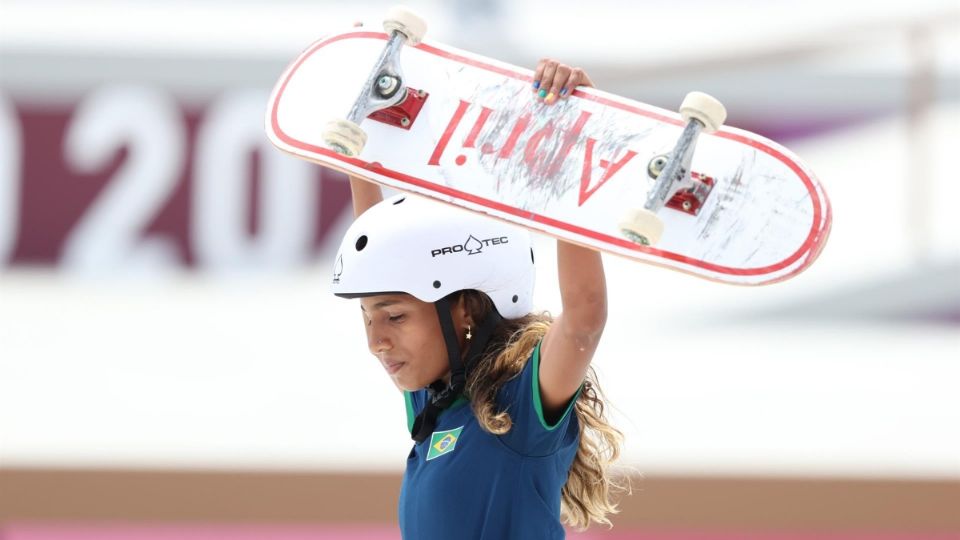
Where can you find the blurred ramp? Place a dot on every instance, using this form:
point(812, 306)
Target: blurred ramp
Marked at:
point(925, 294)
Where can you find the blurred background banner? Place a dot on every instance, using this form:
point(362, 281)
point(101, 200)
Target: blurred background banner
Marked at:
point(172, 365)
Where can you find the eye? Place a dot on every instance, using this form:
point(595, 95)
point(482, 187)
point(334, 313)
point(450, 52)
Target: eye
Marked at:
point(397, 318)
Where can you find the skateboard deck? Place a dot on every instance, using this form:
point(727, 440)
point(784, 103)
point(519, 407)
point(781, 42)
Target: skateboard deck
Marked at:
point(480, 140)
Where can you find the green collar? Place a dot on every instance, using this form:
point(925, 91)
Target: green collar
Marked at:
point(456, 404)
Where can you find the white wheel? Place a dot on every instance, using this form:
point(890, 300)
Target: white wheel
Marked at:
point(642, 226)
point(406, 22)
point(344, 137)
point(704, 108)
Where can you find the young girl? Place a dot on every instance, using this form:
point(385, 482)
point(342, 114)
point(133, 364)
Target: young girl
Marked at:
point(505, 411)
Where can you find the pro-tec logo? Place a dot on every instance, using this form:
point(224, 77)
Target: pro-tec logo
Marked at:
point(472, 246)
point(443, 442)
point(337, 270)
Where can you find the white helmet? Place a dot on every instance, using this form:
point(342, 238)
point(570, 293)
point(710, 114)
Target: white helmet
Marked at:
point(407, 244)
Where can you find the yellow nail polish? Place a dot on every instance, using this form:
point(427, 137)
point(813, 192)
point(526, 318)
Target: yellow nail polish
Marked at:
point(550, 97)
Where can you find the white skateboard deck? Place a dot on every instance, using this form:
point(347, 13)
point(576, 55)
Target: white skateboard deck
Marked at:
point(570, 170)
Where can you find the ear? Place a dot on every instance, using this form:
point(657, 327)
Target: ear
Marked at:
point(461, 315)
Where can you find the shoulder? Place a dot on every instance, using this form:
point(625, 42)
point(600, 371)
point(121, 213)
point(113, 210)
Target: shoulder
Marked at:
point(533, 432)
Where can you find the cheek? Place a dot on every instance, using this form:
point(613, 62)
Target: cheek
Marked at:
point(427, 348)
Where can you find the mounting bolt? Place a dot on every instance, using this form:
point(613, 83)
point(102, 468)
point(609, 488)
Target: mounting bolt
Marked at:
point(387, 86)
point(656, 166)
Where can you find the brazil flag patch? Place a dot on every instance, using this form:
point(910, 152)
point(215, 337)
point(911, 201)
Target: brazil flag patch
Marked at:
point(443, 442)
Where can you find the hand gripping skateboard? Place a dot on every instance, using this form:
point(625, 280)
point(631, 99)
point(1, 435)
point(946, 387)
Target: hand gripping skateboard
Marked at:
point(680, 191)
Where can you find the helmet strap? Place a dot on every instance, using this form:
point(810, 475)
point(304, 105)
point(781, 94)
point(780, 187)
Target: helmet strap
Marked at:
point(443, 395)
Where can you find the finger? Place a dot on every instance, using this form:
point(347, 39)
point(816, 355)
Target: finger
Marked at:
point(573, 81)
point(538, 74)
point(582, 78)
point(560, 82)
point(546, 82)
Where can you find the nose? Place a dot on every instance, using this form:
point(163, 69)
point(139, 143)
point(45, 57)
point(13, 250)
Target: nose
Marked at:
point(377, 341)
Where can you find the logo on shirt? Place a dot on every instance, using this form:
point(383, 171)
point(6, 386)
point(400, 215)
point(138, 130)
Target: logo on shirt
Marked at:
point(443, 442)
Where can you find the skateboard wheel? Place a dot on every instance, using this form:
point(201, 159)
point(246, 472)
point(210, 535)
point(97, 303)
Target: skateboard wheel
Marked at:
point(705, 108)
point(344, 137)
point(405, 21)
point(642, 226)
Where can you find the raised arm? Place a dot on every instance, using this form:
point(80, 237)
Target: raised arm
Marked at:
point(569, 345)
point(365, 194)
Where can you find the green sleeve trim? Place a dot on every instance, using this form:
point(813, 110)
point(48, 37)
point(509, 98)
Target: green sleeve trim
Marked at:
point(537, 403)
point(410, 415)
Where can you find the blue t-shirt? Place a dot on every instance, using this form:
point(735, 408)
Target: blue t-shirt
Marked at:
point(466, 483)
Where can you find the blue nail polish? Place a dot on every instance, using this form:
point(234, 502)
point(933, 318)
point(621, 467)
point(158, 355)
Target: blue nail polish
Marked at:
point(536, 84)
point(543, 93)
point(563, 91)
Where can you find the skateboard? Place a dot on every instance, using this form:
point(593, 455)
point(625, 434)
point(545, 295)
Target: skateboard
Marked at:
point(681, 191)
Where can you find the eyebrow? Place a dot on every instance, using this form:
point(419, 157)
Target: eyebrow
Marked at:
point(385, 303)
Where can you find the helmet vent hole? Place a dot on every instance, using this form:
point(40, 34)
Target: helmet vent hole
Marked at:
point(436, 284)
point(361, 243)
point(531, 257)
point(398, 201)
point(515, 298)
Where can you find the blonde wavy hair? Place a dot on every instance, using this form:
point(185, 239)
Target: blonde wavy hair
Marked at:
point(588, 494)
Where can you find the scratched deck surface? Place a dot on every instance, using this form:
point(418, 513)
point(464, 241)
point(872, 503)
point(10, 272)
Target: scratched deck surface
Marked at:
point(570, 170)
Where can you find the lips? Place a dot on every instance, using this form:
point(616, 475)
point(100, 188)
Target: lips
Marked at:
point(393, 367)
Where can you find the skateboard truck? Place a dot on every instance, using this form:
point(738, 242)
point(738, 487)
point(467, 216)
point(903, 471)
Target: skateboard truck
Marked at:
point(684, 200)
point(383, 92)
point(405, 113)
point(675, 186)
point(690, 200)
